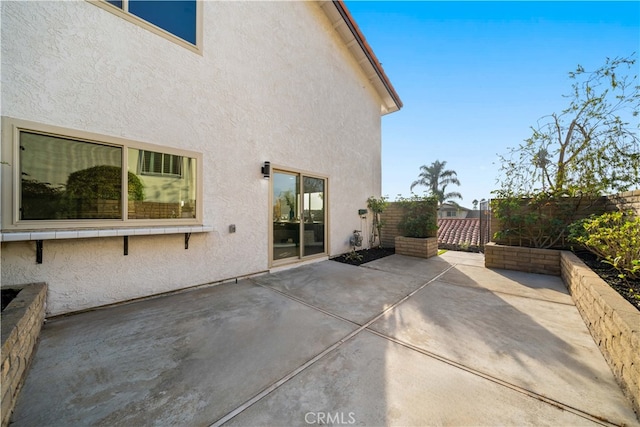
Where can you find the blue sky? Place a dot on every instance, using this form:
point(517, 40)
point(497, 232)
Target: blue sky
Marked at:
point(474, 76)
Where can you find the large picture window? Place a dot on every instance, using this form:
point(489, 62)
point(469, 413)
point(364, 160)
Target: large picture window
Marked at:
point(65, 178)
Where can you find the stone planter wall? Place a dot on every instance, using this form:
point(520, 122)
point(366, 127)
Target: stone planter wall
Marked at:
point(21, 320)
point(530, 260)
point(411, 246)
point(613, 322)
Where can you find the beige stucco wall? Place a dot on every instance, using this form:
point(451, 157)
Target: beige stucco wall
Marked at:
point(274, 82)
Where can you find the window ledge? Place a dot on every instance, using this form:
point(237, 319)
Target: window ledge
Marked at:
point(22, 236)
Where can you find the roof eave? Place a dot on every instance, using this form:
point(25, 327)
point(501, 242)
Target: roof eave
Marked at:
point(355, 41)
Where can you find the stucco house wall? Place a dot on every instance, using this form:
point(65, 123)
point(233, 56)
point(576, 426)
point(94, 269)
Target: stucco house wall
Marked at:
point(275, 82)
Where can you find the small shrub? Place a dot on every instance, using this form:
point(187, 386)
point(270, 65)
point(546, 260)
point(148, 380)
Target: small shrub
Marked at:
point(420, 218)
point(614, 237)
point(353, 256)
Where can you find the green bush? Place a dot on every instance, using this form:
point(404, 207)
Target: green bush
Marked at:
point(537, 220)
point(614, 237)
point(420, 218)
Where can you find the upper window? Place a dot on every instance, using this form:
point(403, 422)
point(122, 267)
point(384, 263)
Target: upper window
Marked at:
point(178, 18)
point(66, 179)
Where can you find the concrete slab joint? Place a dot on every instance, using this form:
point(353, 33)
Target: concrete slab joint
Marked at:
point(22, 321)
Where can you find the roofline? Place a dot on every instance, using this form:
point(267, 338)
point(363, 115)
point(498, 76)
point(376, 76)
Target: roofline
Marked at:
point(362, 41)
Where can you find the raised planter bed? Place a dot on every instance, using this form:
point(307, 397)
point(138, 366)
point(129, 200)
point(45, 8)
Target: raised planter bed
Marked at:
point(529, 260)
point(21, 321)
point(613, 322)
point(417, 247)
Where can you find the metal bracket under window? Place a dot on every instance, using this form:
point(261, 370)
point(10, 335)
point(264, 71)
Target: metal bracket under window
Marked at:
point(40, 245)
point(38, 251)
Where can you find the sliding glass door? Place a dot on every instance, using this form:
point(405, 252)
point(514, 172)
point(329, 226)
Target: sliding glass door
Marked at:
point(299, 216)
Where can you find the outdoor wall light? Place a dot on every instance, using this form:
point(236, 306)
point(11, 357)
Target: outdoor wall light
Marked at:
point(266, 170)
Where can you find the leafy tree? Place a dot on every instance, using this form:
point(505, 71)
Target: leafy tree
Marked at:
point(475, 204)
point(590, 147)
point(436, 178)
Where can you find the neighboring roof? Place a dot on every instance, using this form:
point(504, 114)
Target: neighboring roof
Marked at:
point(459, 231)
point(448, 206)
point(355, 41)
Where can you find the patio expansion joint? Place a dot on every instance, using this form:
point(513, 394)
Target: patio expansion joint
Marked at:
point(277, 384)
point(511, 294)
point(499, 381)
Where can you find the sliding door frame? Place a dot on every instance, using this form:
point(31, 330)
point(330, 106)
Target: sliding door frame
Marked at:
point(301, 256)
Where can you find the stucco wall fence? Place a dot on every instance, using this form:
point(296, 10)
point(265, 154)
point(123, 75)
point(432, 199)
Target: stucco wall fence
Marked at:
point(22, 320)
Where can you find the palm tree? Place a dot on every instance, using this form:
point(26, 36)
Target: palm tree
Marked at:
point(436, 178)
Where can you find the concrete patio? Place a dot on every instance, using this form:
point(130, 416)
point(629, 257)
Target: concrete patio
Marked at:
point(399, 341)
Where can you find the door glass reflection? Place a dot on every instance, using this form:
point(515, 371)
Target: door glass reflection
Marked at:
point(313, 215)
point(286, 215)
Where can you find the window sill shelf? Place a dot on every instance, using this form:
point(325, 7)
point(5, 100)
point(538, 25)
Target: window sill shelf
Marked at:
point(22, 236)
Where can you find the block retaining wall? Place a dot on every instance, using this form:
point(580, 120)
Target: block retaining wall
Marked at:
point(530, 260)
point(22, 320)
point(613, 323)
point(391, 217)
point(626, 201)
point(422, 248)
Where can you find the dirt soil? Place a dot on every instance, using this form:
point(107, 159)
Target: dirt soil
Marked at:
point(364, 255)
point(628, 288)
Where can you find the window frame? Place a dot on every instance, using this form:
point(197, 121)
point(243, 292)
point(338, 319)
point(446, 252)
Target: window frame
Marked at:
point(10, 172)
point(128, 16)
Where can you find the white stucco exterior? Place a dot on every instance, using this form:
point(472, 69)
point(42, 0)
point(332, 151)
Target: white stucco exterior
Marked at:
point(274, 81)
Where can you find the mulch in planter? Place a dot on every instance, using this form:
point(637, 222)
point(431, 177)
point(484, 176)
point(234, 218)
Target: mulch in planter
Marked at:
point(367, 255)
point(628, 288)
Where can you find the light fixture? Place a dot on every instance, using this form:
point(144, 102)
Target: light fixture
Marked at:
point(266, 170)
